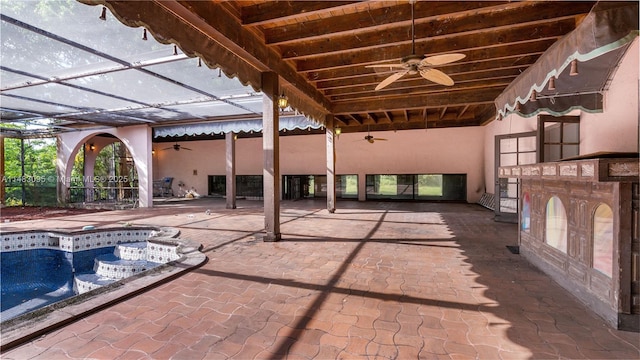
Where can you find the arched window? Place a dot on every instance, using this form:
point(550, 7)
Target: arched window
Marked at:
point(603, 239)
point(556, 224)
point(525, 221)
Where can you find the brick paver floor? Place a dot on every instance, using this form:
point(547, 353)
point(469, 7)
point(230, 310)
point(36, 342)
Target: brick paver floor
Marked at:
point(373, 280)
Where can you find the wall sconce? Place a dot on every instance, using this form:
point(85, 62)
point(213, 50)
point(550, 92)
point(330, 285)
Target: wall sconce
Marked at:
point(337, 131)
point(283, 101)
point(574, 68)
point(92, 147)
point(153, 151)
point(552, 83)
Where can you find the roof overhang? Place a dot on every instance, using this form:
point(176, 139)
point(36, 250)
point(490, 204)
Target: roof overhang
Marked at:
point(597, 45)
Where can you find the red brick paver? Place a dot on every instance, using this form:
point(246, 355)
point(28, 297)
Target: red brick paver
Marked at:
point(372, 280)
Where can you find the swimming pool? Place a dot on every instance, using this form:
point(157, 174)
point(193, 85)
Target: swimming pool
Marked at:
point(39, 268)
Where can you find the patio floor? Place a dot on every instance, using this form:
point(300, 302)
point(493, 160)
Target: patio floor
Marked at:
point(373, 280)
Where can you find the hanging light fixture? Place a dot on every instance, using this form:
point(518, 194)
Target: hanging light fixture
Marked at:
point(534, 96)
point(144, 34)
point(103, 14)
point(552, 83)
point(574, 68)
point(283, 101)
point(337, 131)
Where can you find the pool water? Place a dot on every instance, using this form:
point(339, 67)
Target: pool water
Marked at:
point(42, 268)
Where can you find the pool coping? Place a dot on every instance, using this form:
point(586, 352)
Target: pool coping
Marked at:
point(29, 326)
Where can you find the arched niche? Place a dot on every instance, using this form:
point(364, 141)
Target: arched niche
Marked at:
point(556, 224)
point(603, 239)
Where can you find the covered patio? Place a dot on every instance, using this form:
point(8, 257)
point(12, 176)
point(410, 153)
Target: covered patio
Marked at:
point(373, 279)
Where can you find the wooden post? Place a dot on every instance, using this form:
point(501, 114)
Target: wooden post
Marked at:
point(230, 156)
point(271, 156)
point(331, 164)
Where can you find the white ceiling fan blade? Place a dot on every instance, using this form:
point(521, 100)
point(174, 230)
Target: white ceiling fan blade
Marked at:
point(391, 79)
point(442, 59)
point(436, 76)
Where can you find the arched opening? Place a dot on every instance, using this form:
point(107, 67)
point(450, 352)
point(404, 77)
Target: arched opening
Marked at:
point(104, 172)
point(556, 224)
point(603, 239)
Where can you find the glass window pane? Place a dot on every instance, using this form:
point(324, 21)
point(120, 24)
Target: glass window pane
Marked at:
point(526, 158)
point(508, 145)
point(552, 152)
point(552, 133)
point(570, 151)
point(429, 185)
point(556, 224)
point(508, 159)
point(571, 132)
point(603, 240)
point(528, 143)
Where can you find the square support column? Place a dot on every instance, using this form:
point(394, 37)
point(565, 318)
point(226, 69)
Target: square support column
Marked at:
point(230, 156)
point(271, 156)
point(331, 164)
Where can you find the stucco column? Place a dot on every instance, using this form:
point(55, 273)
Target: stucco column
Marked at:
point(230, 156)
point(331, 164)
point(64, 181)
point(271, 156)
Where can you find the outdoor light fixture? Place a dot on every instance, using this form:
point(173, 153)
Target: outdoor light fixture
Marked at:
point(337, 131)
point(574, 68)
point(144, 34)
point(92, 147)
point(518, 106)
point(283, 102)
point(552, 83)
point(534, 96)
point(103, 14)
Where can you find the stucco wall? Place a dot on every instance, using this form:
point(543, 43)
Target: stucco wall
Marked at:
point(614, 130)
point(458, 150)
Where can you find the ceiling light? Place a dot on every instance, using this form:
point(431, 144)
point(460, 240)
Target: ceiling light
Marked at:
point(552, 83)
point(283, 101)
point(574, 68)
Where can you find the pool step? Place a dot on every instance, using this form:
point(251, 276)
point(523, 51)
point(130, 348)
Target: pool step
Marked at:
point(111, 266)
point(126, 260)
point(132, 251)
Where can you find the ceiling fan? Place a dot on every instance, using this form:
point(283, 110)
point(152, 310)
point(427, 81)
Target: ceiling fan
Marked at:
point(176, 147)
point(372, 139)
point(422, 64)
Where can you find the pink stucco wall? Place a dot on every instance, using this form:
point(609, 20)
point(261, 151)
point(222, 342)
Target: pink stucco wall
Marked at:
point(458, 150)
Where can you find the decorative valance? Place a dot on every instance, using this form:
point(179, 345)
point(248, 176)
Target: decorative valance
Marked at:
point(235, 126)
point(595, 47)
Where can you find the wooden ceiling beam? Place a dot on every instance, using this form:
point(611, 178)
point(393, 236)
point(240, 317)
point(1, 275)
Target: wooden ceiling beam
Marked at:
point(367, 83)
point(276, 11)
point(538, 14)
point(419, 87)
point(418, 101)
point(320, 71)
point(461, 44)
point(380, 16)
